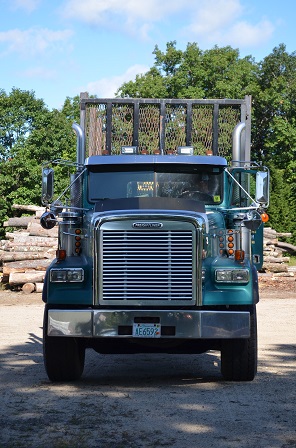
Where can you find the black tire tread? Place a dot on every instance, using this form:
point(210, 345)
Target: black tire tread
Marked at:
point(63, 356)
point(239, 356)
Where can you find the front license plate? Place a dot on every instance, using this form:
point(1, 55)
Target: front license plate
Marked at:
point(146, 331)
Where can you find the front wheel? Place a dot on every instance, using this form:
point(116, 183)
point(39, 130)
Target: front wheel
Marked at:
point(239, 356)
point(63, 356)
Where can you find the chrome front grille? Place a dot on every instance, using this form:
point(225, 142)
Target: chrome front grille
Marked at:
point(146, 266)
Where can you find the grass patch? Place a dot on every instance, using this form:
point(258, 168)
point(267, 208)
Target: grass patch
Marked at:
point(292, 261)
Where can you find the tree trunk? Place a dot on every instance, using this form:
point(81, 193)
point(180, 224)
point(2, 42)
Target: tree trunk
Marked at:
point(287, 246)
point(24, 248)
point(275, 267)
point(18, 222)
point(28, 208)
point(20, 256)
point(27, 240)
point(39, 287)
point(18, 278)
point(35, 229)
point(270, 259)
point(23, 266)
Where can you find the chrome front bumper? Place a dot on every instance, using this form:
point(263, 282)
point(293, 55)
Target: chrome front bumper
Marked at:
point(174, 324)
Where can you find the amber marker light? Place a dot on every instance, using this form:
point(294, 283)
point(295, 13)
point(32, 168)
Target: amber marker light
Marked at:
point(264, 217)
point(239, 255)
point(61, 254)
point(78, 241)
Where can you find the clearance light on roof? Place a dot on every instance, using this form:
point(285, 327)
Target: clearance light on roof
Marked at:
point(129, 150)
point(185, 150)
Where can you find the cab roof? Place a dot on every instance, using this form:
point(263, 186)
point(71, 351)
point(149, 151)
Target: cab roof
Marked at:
point(155, 159)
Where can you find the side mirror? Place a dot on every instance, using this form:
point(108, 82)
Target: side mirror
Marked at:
point(47, 185)
point(262, 187)
point(48, 220)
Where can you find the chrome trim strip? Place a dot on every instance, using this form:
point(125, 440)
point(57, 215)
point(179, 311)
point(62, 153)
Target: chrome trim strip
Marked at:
point(188, 324)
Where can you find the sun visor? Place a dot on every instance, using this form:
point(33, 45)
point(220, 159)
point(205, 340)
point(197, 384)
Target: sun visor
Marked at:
point(149, 203)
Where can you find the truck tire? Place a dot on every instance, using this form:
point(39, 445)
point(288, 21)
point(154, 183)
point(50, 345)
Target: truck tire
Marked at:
point(63, 356)
point(239, 356)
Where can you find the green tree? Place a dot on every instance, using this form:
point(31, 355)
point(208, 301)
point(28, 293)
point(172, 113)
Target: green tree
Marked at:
point(274, 117)
point(279, 199)
point(20, 114)
point(193, 73)
point(30, 136)
point(274, 133)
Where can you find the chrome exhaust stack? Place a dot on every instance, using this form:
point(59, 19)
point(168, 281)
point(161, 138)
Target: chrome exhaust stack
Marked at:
point(239, 145)
point(80, 149)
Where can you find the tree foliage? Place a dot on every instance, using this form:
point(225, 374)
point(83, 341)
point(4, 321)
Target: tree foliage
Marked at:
point(20, 114)
point(275, 108)
point(30, 135)
point(215, 73)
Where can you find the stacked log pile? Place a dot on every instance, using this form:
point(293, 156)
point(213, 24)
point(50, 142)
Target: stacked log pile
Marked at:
point(27, 251)
point(273, 250)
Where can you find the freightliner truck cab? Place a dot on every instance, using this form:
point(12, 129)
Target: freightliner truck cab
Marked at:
point(160, 235)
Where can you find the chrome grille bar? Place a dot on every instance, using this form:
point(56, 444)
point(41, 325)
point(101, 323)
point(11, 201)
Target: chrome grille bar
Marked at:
point(140, 266)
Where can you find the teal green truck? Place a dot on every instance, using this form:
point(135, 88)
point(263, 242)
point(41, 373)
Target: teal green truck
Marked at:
point(160, 235)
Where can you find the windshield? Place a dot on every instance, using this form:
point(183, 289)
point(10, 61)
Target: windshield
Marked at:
point(202, 183)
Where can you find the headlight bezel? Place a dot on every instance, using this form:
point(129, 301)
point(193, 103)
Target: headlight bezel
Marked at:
point(66, 275)
point(229, 275)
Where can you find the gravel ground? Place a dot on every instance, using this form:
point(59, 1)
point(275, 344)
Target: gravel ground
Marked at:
point(148, 400)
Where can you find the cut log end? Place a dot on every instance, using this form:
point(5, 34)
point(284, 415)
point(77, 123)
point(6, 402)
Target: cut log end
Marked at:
point(28, 288)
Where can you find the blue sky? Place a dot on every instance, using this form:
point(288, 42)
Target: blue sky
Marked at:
point(59, 48)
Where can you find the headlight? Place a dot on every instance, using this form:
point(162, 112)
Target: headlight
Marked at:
point(67, 275)
point(232, 275)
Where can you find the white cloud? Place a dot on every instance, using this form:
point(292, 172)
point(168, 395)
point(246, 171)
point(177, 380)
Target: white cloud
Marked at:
point(212, 15)
point(221, 22)
point(26, 5)
point(133, 16)
point(209, 22)
point(107, 87)
point(34, 41)
point(243, 34)
point(96, 11)
point(40, 73)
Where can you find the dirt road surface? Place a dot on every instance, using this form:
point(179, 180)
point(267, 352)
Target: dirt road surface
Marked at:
point(133, 401)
